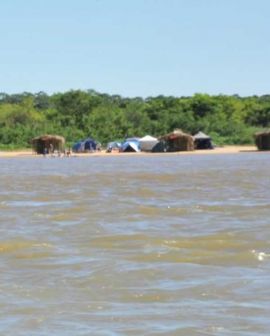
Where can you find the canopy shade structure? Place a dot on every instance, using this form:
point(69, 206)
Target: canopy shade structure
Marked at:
point(147, 143)
point(202, 141)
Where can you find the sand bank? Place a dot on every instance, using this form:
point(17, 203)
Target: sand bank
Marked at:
point(218, 150)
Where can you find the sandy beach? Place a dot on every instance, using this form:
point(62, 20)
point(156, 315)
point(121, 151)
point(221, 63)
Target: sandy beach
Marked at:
point(218, 150)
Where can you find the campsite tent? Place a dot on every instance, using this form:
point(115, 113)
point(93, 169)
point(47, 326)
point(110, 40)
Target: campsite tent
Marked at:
point(134, 139)
point(48, 143)
point(202, 141)
point(130, 146)
point(262, 140)
point(147, 143)
point(114, 145)
point(84, 146)
point(160, 147)
point(178, 141)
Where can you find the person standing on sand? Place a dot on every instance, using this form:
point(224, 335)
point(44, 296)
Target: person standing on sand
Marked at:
point(51, 148)
point(45, 152)
point(68, 152)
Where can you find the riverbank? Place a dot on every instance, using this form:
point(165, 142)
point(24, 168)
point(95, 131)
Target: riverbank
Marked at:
point(218, 150)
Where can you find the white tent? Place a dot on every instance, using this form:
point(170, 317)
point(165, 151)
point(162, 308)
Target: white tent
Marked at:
point(147, 143)
point(201, 135)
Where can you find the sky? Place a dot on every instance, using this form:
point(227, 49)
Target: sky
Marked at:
point(135, 48)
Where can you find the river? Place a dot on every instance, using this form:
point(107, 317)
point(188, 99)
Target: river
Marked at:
point(135, 245)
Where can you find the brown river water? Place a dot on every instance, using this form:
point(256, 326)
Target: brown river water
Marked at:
point(135, 245)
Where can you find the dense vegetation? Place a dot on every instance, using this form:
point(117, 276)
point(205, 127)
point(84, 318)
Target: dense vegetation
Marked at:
point(79, 114)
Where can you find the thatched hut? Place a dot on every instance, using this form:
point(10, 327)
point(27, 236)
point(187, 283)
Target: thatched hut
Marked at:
point(48, 144)
point(178, 141)
point(262, 140)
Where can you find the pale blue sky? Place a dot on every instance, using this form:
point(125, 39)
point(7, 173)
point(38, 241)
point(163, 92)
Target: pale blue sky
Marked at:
point(136, 47)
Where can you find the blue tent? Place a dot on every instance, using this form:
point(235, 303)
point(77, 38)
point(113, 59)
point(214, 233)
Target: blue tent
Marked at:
point(113, 145)
point(130, 146)
point(87, 145)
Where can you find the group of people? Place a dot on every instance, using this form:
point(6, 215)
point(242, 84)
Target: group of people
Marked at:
point(56, 153)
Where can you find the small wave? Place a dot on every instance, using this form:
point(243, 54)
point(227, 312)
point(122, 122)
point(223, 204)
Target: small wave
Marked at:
point(260, 256)
point(36, 203)
point(218, 249)
point(17, 245)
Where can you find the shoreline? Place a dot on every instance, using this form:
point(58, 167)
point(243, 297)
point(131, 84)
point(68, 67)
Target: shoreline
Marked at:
point(219, 150)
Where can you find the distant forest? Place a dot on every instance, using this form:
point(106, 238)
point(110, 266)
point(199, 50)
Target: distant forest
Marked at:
point(80, 114)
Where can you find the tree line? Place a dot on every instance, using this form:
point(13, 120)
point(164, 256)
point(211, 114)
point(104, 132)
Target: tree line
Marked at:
point(78, 114)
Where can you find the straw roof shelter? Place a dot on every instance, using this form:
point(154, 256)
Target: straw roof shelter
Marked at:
point(48, 143)
point(178, 141)
point(262, 140)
